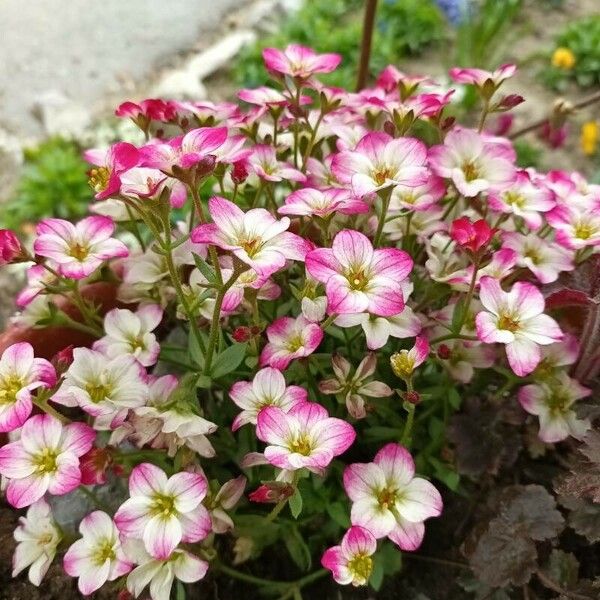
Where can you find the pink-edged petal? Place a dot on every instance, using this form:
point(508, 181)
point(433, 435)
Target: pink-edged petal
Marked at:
point(132, 516)
point(272, 426)
point(419, 501)
point(491, 295)
point(352, 249)
point(527, 298)
point(188, 488)
point(227, 216)
point(146, 479)
point(78, 438)
point(162, 535)
point(15, 461)
point(531, 398)
point(396, 463)
point(523, 356)
point(359, 540)
point(26, 491)
point(360, 479)
point(195, 524)
point(96, 228)
point(369, 514)
point(406, 535)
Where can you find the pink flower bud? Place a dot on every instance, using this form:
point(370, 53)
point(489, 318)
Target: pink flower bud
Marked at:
point(412, 397)
point(10, 247)
point(471, 236)
point(239, 172)
point(94, 466)
point(272, 492)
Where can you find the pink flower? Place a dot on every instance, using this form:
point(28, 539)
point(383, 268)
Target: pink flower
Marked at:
point(471, 162)
point(523, 199)
point(552, 402)
point(575, 226)
point(37, 278)
point(358, 278)
point(196, 146)
point(268, 388)
point(289, 339)
point(163, 512)
point(145, 183)
point(387, 498)
point(150, 109)
point(309, 202)
point(105, 179)
point(380, 161)
point(351, 561)
point(545, 260)
point(255, 237)
point(263, 162)
point(299, 61)
point(516, 319)
point(472, 236)
point(269, 97)
point(465, 357)
point(78, 250)
point(406, 361)
point(20, 374)
point(129, 333)
point(225, 499)
point(10, 246)
point(418, 198)
point(45, 459)
point(97, 557)
point(305, 437)
point(480, 78)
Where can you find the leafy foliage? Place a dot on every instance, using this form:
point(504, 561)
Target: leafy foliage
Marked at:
point(584, 477)
point(54, 184)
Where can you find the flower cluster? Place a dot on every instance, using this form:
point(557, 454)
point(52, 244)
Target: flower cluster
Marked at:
point(270, 288)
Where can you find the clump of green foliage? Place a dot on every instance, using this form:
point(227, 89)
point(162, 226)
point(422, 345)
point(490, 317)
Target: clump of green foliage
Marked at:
point(53, 184)
point(404, 28)
point(582, 38)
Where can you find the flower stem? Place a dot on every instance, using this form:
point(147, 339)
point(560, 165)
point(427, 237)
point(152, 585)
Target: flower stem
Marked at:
point(385, 196)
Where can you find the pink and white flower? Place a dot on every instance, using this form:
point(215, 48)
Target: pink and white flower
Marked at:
point(97, 557)
point(552, 402)
point(20, 374)
point(105, 178)
point(44, 459)
point(523, 199)
point(130, 334)
point(516, 319)
point(387, 498)
point(310, 202)
point(102, 387)
point(225, 499)
point(268, 388)
point(299, 61)
point(289, 339)
point(37, 537)
point(351, 561)
point(185, 152)
point(465, 357)
point(163, 512)
point(480, 78)
point(78, 250)
point(160, 574)
point(576, 227)
point(255, 237)
point(145, 183)
point(419, 197)
point(37, 279)
point(544, 259)
point(263, 162)
point(380, 161)
point(305, 437)
point(473, 163)
point(359, 278)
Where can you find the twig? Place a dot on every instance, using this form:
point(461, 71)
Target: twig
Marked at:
point(537, 124)
point(555, 587)
point(365, 46)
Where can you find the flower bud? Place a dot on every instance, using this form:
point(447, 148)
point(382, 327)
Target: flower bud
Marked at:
point(94, 466)
point(272, 492)
point(412, 397)
point(241, 334)
point(239, 172)
point(10, 246)
point(62, 360)
point(444, 352)
point(471, 236)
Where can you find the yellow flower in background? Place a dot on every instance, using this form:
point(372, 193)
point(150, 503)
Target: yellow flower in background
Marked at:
point(563, 58)
point(590, 136)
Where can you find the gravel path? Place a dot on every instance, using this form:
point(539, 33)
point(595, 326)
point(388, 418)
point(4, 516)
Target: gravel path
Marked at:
point(87, 50)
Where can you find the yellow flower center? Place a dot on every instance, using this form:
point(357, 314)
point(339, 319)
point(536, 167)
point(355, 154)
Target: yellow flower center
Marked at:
point(470, 170)
point(98, 178)
point(380, 176)
point(301, 445)
point(251, 247)
point(360, 567)
point(584, 231)
point(9, 388)
point(295, 343)
point(402, 364)
point(357, 279)
point(514, 199)
point(45, 461)
point(387, 498)
point(79, 252)
point(558, 402)
point(508, 322)
point(163, 505)
point(104, 551)
point(534, 255)
point(98, 391)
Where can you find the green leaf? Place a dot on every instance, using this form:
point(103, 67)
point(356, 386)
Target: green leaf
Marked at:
point(458, 315)
point(195, 351)
point(377, 574)
point(229, 360)
point(454, 399)
point(339, 514)
point(205, 269)
point(295, 503)
point(204, 382)
point(296, 546)
point(180, 591)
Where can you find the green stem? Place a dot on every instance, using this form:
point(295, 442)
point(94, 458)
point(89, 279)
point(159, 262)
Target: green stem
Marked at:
point(385, 196)
point(214, 327)
point(45, 407)
point(311, 142)
point(484, 114)
point(454, 336)
point(64, 319)
point(328, 321)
